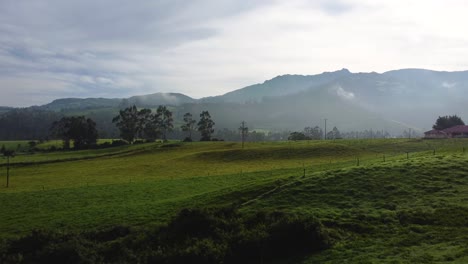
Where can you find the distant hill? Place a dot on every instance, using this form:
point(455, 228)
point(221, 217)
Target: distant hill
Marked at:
point(150, 100)
point(392, 101)
point(156, 99)
point(408, 96)
point(78, 103)
point(4, 109)
point(278, 86)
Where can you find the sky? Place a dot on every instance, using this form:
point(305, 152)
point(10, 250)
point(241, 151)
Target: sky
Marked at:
point(53, 49)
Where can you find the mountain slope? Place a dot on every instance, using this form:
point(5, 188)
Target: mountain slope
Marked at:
point(296, 111)
point(278, 86)
point(411, 96)
point(391, 101)
point(152, 100)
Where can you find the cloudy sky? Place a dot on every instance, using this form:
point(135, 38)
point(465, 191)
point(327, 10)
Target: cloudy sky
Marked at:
point(116, 48)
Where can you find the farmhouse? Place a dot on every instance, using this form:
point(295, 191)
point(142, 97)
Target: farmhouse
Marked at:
point(452, 132)
point(435, 134)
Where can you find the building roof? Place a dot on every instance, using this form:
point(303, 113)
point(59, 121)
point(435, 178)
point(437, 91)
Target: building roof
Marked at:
point(435, 132)
point(456, 129)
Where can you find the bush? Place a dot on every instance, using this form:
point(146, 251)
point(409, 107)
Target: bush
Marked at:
point(193, 236)
point(105, 145)
point(119, 142)
point(52, 148)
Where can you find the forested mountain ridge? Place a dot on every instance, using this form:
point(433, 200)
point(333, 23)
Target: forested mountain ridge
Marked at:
point(392, 101)
point(150, 100)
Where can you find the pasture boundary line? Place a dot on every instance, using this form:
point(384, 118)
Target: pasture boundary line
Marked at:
point(25, 163)
point(295, 180)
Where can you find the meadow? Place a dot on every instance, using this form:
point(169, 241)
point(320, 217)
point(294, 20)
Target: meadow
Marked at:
point(381, 200)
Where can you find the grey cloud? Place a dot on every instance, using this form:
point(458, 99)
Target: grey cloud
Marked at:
point(101, 47)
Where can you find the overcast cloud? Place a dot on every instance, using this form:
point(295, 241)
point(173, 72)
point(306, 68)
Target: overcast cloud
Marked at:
point(113, 48)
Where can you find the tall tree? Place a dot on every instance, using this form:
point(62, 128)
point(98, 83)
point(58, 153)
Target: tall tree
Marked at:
point(82, 131)
point(165, 121)
point(313, 132)
point(127, 123)
point(205, 126)
point(144, 119)
point(444, 122)
point(334, 134)
point(188, 126)
point(244, 131)
point(298, 136)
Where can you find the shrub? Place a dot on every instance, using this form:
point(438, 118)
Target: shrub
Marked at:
point(193, 236)
point(119, 142)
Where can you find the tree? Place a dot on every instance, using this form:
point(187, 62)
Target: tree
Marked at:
point(205, 126)
point(444, 122)
point(313, 132)
point(144, 117)
point(82, 131)
point(127, 123)
point(164, 121)
point(188, 126)
point(297, 136)
point(244, 131)
point(334, 134)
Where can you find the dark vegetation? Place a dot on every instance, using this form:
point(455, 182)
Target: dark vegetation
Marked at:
point(82, 131)
point(133, 123)
point(193, 236)
point(444, 122)
point(27, 123)
point(205, 126)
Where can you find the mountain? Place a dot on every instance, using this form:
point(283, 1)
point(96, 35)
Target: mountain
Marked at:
point(4, 109)
point(156, 99)
point(278, 86)
point(297, 110)
point(392, 101)
point(410, 97)
point(79, 103)
point(150, 100)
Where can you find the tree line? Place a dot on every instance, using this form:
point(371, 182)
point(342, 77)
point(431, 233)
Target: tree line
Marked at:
point(133, 124)
point(314, 133)
point(143, 124)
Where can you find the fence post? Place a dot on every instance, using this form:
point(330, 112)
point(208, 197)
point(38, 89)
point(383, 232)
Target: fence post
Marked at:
point(8, 172)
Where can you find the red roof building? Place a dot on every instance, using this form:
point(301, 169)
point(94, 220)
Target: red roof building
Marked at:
point(457, 131)
point(452, 132)
point(435, 134)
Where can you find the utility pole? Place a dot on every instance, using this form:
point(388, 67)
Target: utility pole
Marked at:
point(8, 172)
point(325, 135)
point(8, 154)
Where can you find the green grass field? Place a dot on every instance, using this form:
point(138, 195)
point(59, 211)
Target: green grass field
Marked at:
point(390, 200)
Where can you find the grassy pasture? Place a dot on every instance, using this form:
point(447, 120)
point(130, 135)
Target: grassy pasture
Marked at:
point(364, 205)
